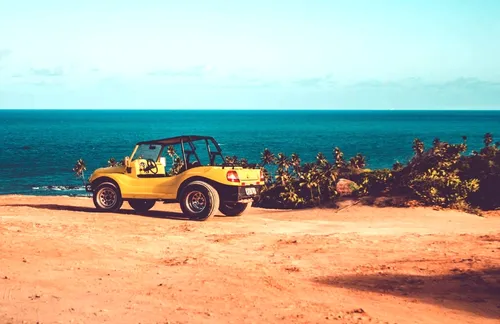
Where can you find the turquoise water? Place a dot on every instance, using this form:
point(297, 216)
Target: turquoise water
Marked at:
point(39, 148)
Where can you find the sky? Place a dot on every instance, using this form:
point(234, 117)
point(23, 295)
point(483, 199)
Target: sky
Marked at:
point(250, 54)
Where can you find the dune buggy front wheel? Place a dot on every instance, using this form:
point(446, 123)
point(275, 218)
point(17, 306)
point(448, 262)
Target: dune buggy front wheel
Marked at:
point(107, 197)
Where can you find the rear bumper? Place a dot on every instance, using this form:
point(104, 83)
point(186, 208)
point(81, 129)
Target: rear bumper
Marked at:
point(238, 193)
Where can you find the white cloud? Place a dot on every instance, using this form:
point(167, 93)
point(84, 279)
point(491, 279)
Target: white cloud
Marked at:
point(4, 53)
point(155, 85)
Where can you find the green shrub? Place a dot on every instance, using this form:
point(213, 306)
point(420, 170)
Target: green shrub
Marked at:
point(439, 187)
point(439, 176)
point(484, 166)
point(433, 176)
point(375, 183)
point(297, 185)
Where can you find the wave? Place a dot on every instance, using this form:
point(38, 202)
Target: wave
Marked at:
point(58, 188)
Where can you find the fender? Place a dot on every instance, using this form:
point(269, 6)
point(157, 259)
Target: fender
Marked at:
point(213, 183)
point(229, 193)
point(100, 180)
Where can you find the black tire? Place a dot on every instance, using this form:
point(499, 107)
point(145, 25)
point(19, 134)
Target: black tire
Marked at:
point(107, 197)
point(233, 209)
point(199, 201)
point(141, 205)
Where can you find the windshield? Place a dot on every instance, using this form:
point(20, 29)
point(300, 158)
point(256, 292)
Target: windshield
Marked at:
point(147, 151)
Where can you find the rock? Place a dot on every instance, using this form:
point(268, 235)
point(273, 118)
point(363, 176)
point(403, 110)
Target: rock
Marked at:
point(346, 187)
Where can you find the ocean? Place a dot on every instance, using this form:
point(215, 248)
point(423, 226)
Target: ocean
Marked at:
point(40, 147)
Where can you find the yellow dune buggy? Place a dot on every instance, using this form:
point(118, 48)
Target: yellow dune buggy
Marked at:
point(187, 169)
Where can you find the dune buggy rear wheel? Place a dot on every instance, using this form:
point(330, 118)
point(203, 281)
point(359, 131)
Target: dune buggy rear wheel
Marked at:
point(199, 201)
point(233, 209)
point(107, 197)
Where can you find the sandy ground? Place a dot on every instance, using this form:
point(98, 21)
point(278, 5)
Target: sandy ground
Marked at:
point(61, 262)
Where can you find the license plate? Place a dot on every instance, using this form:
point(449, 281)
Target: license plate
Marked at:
point(250, 191)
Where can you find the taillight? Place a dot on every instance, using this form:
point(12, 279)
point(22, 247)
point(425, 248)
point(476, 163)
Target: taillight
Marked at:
point(261, 176)
point(232, 176)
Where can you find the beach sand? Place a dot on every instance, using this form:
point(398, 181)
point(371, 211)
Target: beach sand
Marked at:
point(62, 262)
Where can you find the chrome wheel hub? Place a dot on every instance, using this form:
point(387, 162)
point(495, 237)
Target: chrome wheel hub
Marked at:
point(196, 201)
point(107, 197)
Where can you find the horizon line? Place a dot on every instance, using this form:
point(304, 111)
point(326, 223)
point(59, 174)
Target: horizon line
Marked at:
point(259, 109)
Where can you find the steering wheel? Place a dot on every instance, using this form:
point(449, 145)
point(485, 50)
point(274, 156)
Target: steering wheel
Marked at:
point(151, 166)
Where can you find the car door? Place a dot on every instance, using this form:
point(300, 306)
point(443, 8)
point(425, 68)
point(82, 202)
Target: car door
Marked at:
point(150, 181)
